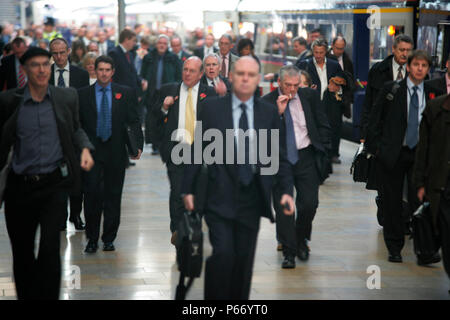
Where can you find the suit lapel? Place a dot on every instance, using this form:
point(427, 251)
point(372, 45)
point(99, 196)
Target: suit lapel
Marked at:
point(114, 104)
point(403, 91)
point(309, 118)
point(52, 76)
point(314, 74)
point(56, 107)
point(93, 104)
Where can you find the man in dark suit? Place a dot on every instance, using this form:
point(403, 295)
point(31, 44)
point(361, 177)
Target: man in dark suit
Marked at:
point(207, 48)
point(337, 52)
point(177, 49)
point(391, 68)
point(305, 132)
point(107, 110)
point(104, 44)
point(160, 66)
point(227, 59)
point(177, 108)
point(321, 71)
point(39, 125)
point(12, 74)
point(392, 137)
point(65, 75)
point(441, 85)
point(212, 78)
point(242, 190)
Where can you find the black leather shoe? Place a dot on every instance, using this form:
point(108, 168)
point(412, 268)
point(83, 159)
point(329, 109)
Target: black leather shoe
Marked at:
point(288, 262)
point(108, 246)
point(77, 222)
point(336, 160)
point(421, 261)
point(397, 258)
point(303, 254)
point(91, 247)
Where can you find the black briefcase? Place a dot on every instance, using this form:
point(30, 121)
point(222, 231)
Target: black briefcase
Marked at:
point(360, 165)
point(131, 144)
point(426, 243)
point(189, 251)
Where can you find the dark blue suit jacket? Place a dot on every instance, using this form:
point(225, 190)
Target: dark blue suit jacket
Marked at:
point(333, 69)
point(125, 72)
point(222, 196)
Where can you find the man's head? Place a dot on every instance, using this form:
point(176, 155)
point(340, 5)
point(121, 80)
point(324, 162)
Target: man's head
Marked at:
point(101, 36)
point(299, 45)
point(175, 44)
point(401, 48)
point(289, 80)
point(211, 65)
point(225, 44)
point(93, 47)
point(49, 24)
point(38, 33)
point(36, 63)
point(60, 51)
point(319, 49)
point(145, 43)
point(418, 65)
point(19, 47)
point(192, 71)
point(313, 35)
point(127, 39)
point(245, 78)
point(104, 69)
point(162, 44)
point(338, 46)
point(209, 40)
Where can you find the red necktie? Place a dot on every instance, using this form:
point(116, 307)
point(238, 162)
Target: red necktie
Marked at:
point(128, 57)
point(22, 78)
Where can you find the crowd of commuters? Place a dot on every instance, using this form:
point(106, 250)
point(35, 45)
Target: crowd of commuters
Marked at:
point(156, 80)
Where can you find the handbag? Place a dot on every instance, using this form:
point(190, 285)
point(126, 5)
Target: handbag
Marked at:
point(4, 175)
point(189, 246)
point(360, 165)
point(426, 243)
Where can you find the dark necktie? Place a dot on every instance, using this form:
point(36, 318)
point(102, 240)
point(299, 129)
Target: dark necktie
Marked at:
point(223, 71)
point(291, 146)
point(61, 82)
point(245, 170)
point(127, 54)
point(104, 118)
point(159, 73)
point(399, 74)
point(412, 135)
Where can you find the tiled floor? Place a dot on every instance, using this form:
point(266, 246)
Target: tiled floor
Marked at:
point(346, 240)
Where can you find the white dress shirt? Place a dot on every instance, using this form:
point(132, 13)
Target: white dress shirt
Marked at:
point(227, 63)
point(395, 67)
point(322, 72)
point(66, 74)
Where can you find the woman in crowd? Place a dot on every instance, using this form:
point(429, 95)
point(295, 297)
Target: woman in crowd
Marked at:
point(78, 52)
point(88, 63)
point(246, 47)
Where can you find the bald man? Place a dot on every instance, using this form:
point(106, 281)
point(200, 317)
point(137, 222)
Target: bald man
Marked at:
point(242, 192)
point(178, 107)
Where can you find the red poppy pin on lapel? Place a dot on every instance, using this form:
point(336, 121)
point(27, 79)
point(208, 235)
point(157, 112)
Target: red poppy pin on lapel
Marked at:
point(118, 96)
point(432, 95)
point(202, 96)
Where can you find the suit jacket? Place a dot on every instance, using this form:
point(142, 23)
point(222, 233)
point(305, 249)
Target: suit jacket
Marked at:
point(388, 122)
point(222, 198)
point(124, 114)
point(200, 52)
point(333, 69)
point(204, 82)
point(78, 77)
point(233, 59)
point(8, 77)
point(319, 131)
point(439, 85)
point(125, 72)
point(167, 123)
point(71, 135)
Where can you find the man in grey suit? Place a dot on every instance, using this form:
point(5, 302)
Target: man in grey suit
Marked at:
point(39, 123)
point(227, 59)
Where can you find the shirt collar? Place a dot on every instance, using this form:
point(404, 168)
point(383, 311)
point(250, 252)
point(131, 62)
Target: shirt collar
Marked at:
point(395, 66)
point(411, 84)
point(66, 67)
point(27, 94)
point(236, 102)
point(98, 87)
point(324, 63)
point(123, 49)
point(194, 88)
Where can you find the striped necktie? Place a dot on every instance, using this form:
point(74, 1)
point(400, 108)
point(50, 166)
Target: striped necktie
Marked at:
point(61, 82)
point(21, 79)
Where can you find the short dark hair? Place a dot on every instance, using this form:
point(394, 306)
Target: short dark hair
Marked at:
point(126, 34)
point(339, 38)
point(243, 43)
point(104, 59)
point(18, 41)
point(402, 38)
point(419, 55)
point(317, 30)
point(34, 52)
point(59, 39)
point(301, 41)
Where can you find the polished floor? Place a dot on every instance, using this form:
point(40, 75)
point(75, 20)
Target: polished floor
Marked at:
point(346, 241)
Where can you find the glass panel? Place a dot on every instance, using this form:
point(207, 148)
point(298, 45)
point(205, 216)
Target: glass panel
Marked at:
point(381, 42)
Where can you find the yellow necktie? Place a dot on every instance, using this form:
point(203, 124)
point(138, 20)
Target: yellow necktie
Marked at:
point(189, 117)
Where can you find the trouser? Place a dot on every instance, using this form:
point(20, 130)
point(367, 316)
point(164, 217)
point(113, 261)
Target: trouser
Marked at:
point(27, 206)
point(176, 205)
point(291, 233)
point(444, 231)
point(392, 205)
point(228, 271)
point(76, 205)
point(334, 113)
point(103, 186)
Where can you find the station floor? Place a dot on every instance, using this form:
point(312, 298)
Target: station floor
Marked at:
point(346, 242)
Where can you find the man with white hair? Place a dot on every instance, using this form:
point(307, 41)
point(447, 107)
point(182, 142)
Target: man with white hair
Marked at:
point(211, 76)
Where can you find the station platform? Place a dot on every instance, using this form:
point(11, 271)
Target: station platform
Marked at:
point(346, 241)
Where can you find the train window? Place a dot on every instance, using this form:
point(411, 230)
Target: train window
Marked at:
point(426, 39)
point(381, 41)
